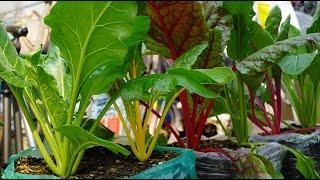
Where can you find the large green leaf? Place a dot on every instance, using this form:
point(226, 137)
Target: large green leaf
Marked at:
point(218, 18)
point(145, 87)
point(212, 55)
point(187, 59)
point(82, 139)
point(259, 37)
point(305, 165)
point(239, 43)
point(315, 26)
point(296, 64)
point(176, 26)
point(12, 67)
point(273, 21)
point(260, 60)
point(91, 34)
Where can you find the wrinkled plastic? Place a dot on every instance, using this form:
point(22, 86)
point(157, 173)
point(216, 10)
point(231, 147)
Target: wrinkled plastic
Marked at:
point(178, 168)
point(9, 172)
point(308, 144)
point(182, 167)
point(214, 165)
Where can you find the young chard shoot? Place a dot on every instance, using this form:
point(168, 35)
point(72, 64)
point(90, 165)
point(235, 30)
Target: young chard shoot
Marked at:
point(93, 38)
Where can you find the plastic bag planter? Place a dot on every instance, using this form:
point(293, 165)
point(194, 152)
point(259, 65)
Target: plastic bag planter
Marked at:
point(214, 165)
point(308, 144)
point(178, 168)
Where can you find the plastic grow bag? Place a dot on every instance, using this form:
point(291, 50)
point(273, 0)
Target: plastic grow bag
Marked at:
point(178, 168)
point(214, 165)
point(308, 144)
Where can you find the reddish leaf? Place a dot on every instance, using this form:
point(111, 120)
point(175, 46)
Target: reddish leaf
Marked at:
point(176, 27)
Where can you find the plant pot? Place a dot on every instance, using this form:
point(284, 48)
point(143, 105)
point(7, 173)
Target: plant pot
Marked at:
point(176, 168)
point(308, 144)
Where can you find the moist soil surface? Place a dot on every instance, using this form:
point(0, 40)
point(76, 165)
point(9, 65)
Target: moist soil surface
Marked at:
point(98, 163)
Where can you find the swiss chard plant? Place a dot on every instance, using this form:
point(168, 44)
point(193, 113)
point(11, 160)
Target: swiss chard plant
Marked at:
point(138, 89)
point(178, 32)
point(262, 67)
point(90, 42)
point(301, 69)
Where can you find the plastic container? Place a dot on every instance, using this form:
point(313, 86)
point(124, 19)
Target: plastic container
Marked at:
point(182, 167)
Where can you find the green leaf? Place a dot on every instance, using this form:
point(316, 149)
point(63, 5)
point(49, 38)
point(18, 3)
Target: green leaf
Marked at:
point(315, 26)
point(82, 139)
point(273, 21)
point(221, 75)
point(217, 19)
point(259, 38)
point(293, 32)
point(239, 43)
point(268, 165)
point(12, 67)
point(284, 30)
point(145, 87)
point(305, 165)
point(1, 123)
point(175, 28)
point(91, 34)
point(56, 66)
point(296, 64)
point(187, 59)
point(212, 55)
point(101, 132)
point(262, 59)
point(313, 71)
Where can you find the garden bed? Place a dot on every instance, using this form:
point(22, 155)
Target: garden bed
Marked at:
point(100, 163)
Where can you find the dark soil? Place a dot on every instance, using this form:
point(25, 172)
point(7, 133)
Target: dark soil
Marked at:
point(99, 163)
point(206, 144)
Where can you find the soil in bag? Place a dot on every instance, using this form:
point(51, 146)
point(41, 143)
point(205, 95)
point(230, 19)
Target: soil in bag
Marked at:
point(97, 163)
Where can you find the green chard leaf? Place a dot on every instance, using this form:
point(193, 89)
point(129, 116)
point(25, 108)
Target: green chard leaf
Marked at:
point(239, 44)
point(12, 67)
point(296, 64)
point(91, 37)
point(262, 59)
point(273, 21)
point(187, 59)
point(259, 38)
point(176, 27)
point(284, 30)
point(82, 139)
point(305, 165)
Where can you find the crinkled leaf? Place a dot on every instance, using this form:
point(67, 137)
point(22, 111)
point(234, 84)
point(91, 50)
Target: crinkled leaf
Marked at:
point(305, 165)
point(239, 43)
point(91, 34)
point(284, 30)
point(187, 59)
point(212, 55)
point(218, 18)
point(12, 67)
point(260, 60)
point(51, 99)
point(273, 21)
point(315, 26)
point(82, 140)
point(56, 66)
point(176, 26)
point(296, 64)
point(220, 75)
